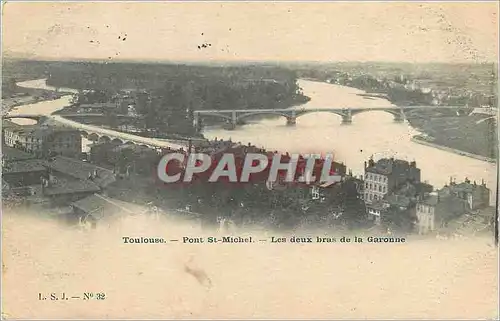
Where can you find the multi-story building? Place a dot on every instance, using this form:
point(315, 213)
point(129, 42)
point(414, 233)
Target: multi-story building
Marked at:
point(450, 202)
point(43, 140)
point(435, 210)
point(386, 175)
point(476, 195)
point(21, 169)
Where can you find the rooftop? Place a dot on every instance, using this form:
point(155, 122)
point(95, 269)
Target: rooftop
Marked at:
point(70, 186)
point(98, 205)
point(386, 166)
point(135, 148)
point(81, 170)
point(466, 187)
point(446, 206)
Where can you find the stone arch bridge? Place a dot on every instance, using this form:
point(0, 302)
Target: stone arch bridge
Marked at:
point(101, 134)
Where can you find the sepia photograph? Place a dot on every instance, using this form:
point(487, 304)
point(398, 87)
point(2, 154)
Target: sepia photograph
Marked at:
point(250, 160)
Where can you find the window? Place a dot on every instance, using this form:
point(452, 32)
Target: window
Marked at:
point(371, 186)
point(380, 188)
point(375, 197)
point(315, 193)
point(384, 189)
point(366, 185)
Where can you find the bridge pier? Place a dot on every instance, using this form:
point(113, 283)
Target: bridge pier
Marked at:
point(197, 124)
point(292, 119)
point(234, 120)
point(347, 117)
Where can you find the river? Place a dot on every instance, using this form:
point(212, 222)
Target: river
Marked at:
point(371, 133)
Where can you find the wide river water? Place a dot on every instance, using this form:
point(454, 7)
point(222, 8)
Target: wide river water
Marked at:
point(371, 133)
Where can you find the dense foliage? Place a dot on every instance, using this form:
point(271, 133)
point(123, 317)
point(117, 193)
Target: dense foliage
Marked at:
point(171, 92)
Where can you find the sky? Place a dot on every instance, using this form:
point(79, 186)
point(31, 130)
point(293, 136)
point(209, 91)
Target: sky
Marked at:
point(253, 31)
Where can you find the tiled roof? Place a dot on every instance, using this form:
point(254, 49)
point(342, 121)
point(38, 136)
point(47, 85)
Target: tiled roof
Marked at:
point(81, 170)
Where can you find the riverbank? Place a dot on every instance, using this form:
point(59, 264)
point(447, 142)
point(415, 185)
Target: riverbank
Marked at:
point(464, 135)
point(421, 140)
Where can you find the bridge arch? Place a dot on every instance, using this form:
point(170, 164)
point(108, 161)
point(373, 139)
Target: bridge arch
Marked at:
point(104, 139)
point(116, 141)
point(217, 115)
point(300, 113)
point(246, 115)
point(397, 113)
point(93, 137)
point(389, 111)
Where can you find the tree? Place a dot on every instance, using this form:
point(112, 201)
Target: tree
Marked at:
point(354, 207)
point(398, 219)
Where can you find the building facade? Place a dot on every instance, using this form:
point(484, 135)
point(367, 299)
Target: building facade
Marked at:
point(43, 140)
point(476, 195)
point(384, 177)
point(438, 208)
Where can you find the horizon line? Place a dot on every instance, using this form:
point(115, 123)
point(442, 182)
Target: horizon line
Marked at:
point(232, 62)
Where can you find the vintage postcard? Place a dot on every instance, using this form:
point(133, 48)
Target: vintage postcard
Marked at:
point(249, 160)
